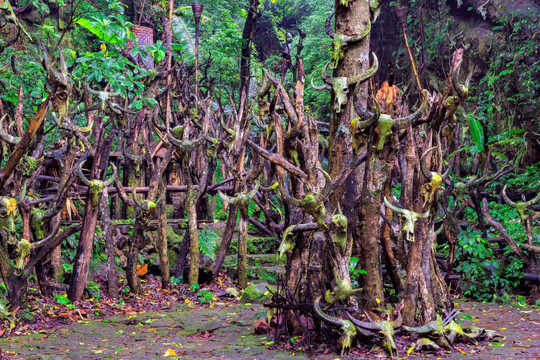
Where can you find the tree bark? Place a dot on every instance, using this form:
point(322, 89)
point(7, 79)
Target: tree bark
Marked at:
point(226, 239)
point(107, 229)
point(242, 252)
point(86, 241)
point(24, 143)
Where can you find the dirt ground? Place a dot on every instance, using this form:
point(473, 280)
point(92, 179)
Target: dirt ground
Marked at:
point(227, 333)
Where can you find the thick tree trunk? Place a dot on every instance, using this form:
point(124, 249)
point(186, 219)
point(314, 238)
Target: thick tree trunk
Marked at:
point(375, 178)
point(135, 242)
point(86, 241)
point(193, 277)
point(354, 20)
point(182, 257)
point(162, 247)
point(107, 230)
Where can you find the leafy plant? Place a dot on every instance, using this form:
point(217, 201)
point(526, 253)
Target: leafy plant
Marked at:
point(207, 242)
point(354, 271)
point(62, 299)
point(205, 296)
point(94, 290)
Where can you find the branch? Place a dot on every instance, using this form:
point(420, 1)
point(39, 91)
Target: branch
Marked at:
point(500, 228)
point(278, 160)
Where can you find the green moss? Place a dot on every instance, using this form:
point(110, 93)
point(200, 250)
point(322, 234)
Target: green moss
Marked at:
point(257, 293)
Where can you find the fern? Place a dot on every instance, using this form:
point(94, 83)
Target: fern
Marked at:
point(185, 35)
point(207, 242)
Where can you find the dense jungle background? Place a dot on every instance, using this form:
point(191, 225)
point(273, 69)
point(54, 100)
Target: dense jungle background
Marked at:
point(358, 165)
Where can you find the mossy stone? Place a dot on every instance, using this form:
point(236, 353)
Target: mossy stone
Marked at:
point(257, 292)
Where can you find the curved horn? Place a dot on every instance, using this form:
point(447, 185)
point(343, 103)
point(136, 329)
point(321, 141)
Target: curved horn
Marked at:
point(327, 78)
point(318, 87)
point(134, 192)
point(324, 316)
point(174, 140)
point(198, 141)
point(450, 166)
point(91, 91)
point(113, 176)
point(286, 197)
point(506, 198)
point(358, 37)
point(254, 191)
point(533, 201)
point(88, 127)
point(422, 330)
point(13, 140)
point(394, 208)
point(367, 118)
point(83, 178)
point(63, 66)
point(325, 192)
point(366, 75)
point(461, 89)
point(423, 166)
point(402, 123)
point(328, 25)
point(229, 199)
point(364, 324)
point(229, 131)
point(115, 93)
point(424, 215)
point(158, 125)
point(47, 61)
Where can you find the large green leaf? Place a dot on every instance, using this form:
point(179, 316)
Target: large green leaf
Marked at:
point(101, 32)
point(477, 132)
point(184, 33)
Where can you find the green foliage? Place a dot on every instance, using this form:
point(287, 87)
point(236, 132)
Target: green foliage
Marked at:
point(508, 92)
point(62, 299)
point(484, 276)
point(207, 242)
point(205, 296)
point(477, 133)
point(94, 290)
point(111, 29)
point(30, 75)
point(355, 272)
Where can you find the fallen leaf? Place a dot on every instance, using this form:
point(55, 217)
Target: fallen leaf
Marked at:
point(142, 269)
point(170, 352)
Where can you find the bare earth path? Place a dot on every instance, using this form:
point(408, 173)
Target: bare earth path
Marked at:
point(228, 334)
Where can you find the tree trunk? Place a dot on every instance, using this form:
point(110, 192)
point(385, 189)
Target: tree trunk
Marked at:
point(354, 20)
point(242, 252)
point(193, 277)
point(247, 42)
point(86, 241)
point(107, 230)
point(135, 242)
point(226, 239)
point(162, 247)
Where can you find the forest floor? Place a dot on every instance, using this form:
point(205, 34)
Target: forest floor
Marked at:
point(174, 324)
